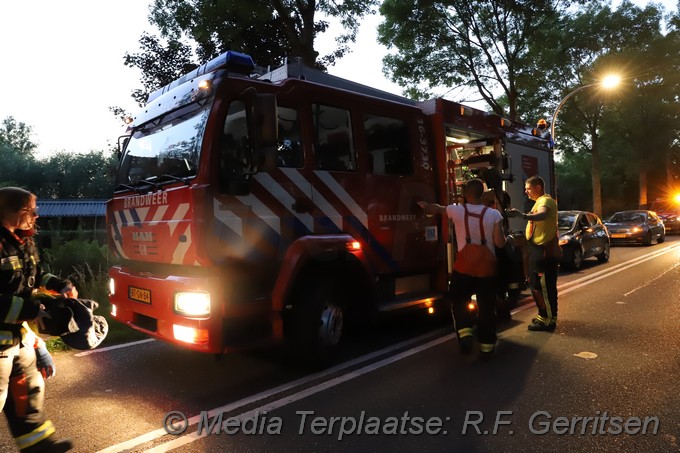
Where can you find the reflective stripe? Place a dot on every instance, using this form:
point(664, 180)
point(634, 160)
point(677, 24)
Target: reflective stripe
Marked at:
point(39, 434)
point(465, 332)
point(10, 263)
point(544, 289)
point(14, 310)
point(486, 347)
point(6, 337)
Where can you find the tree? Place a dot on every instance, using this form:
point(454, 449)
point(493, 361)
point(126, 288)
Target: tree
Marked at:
point(591, 43)
point(482, 46)
point(16, 152)
point(159, 64)
point(17, 136)
point(67, 175)
point(269, 31)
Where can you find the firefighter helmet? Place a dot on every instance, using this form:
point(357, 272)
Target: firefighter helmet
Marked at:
point(542, 124)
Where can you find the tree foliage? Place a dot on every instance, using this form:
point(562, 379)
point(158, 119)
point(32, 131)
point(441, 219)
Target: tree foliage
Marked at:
point(627, 41)
point(62, 175)
point(269, 31)
point(160, 64)
point(16, 136)
point(68, 175)
point(482, 46)
point(16, 151)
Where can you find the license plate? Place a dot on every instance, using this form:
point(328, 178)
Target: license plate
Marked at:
point(139, 294)
point(618, 235)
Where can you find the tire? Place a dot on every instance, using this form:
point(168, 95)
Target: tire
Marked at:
point(648, 239)
point(576, 261)
point(317, 322)
point(604, 256)
point(661, 238)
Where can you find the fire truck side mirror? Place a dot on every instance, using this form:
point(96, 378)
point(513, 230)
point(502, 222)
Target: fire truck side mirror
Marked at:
point(266, 118)
point(122, 144)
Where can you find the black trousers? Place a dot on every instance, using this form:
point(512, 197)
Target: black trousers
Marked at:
point(461, 291)
point(543, 280)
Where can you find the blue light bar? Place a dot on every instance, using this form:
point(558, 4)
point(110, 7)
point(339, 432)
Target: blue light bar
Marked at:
point(230, 60)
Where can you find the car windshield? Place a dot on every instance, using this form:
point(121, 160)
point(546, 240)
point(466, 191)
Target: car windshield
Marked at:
point(627, 217)
point(565, 220)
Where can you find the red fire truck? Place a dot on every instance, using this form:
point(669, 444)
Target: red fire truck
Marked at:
point(282, 206)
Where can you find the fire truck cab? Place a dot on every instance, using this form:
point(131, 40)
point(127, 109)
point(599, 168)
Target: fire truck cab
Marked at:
point(281, 206)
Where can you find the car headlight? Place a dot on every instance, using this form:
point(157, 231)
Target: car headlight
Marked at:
point(564, 240)
point(635, 230)
point(192, 303)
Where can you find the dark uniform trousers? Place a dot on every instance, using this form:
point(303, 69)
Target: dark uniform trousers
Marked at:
point(461, 291)
point(543, 280)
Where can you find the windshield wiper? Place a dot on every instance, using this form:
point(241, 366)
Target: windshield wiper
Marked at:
point(125, 186)
point(151, 183)
point(175, 178)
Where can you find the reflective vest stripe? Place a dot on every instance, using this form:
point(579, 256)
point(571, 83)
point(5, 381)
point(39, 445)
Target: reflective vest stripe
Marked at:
point(10, 263)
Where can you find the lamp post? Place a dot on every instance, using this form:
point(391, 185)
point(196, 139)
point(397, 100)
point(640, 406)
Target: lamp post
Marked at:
point(607, 82)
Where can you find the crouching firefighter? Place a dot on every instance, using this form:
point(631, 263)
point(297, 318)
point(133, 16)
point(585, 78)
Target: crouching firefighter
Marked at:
point(22, 387)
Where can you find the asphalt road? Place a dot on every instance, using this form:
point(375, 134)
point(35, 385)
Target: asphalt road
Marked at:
point(604, 381)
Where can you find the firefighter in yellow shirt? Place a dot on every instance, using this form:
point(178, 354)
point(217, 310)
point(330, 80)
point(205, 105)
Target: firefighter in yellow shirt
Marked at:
point(541, 234)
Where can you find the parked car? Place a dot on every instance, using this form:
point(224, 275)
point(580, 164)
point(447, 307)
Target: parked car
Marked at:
point(582, 235)
point(635, 227)
point(671, 221)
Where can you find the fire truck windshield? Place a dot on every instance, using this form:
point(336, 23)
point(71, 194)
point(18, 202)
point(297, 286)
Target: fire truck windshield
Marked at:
point(167, 146)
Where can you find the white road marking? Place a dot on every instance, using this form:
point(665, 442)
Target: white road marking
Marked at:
point(111, 348)
point(288, 399)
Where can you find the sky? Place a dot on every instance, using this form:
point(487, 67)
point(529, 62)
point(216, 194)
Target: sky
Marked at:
point(62, 67)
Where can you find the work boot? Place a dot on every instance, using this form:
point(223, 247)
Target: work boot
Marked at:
point(486, 349)
point(50, 445)
point(537, 326)
point(466, 344)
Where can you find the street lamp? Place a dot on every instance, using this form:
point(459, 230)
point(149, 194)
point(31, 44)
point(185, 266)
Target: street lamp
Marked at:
point(608, 82)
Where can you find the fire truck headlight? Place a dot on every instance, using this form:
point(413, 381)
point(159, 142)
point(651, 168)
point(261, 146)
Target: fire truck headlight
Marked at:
point(192, 303)
point(112, 287)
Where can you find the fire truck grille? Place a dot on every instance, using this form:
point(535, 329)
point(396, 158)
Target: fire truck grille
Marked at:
point(145, 322)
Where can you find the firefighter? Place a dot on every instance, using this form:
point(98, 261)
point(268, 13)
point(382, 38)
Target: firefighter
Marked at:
point(473, 220)
point(544, 132)
point(541, 235)
point(21, 383)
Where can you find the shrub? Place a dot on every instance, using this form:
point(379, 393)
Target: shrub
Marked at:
point(76, 260)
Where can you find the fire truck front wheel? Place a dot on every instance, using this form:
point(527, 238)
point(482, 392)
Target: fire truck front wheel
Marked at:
point(317, 320)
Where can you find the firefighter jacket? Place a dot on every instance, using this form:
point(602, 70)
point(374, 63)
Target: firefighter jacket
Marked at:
point(20, 275)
